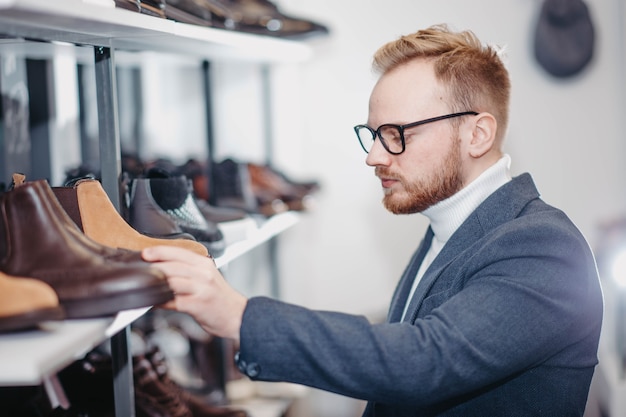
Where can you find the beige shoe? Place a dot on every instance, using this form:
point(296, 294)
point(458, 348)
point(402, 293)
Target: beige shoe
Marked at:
point(26, 302)
point(89, 206)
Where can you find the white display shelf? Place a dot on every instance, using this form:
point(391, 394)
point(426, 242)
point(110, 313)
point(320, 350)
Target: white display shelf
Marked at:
point(26, 358)
point(84, 23)
point(256, 236)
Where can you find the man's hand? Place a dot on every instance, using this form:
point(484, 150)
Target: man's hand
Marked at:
point(200, 289)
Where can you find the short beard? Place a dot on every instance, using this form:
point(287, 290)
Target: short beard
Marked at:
point(423, 194)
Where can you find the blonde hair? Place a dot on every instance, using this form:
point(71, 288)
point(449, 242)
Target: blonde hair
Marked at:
point(474, 75)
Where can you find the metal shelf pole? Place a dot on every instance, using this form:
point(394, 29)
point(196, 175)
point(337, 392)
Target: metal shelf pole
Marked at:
point(110, 167)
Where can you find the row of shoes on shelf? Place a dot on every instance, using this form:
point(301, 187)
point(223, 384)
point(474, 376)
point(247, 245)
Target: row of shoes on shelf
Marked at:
point(51, 270)
point(193, 200)
point(260, 17)
point(160, 342)
point(66, 252)
point(179, 370)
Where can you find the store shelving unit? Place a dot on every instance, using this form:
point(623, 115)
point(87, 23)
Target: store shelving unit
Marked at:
point(83, 23)
point(42, 28)
point(45, 351)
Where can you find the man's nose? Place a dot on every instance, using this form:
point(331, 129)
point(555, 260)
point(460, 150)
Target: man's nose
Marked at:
point(377, 155)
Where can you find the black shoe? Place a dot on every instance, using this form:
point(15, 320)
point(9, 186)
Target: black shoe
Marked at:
point(260, 17)
point(193, 12)
point(160, 204)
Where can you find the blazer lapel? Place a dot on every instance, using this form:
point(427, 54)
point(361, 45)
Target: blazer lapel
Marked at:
point(404, 286)
point(470, 231)
point(504, 204)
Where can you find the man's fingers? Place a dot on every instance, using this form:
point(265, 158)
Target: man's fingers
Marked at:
point(181, 285)
point(173, 253)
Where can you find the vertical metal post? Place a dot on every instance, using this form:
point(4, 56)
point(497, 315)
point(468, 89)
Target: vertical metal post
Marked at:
point(266, 108)
point(210, 134)
point(15, 141)
point(41, 111)
point(110, 167)
point(268, 140)
point(137, 129)
point(108, 124)
point(220, 345)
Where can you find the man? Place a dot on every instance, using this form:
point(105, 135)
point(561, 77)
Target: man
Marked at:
point(499, 311)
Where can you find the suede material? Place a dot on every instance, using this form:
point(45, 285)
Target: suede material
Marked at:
point(102, 223)
point(20, 295)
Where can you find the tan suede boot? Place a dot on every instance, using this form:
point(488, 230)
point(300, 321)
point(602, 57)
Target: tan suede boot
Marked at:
point(89, 206)
point(26, 302)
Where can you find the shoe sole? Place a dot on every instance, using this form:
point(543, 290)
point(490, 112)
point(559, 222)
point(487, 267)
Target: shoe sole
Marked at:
point(31, 319)
point(111, 305)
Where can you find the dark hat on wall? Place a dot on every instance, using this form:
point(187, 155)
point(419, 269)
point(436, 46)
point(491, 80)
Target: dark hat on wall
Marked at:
point(564, 37)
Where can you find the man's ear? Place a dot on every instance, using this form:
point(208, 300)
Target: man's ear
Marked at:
point(483, 135)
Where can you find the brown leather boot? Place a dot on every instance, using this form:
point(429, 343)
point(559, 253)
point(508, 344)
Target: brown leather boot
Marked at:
point(154, 386)
point(26, 302)
point(110, 253)
point(91, 209)
point(36, 242)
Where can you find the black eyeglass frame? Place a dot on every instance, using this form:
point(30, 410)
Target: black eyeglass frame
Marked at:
point(401, 128)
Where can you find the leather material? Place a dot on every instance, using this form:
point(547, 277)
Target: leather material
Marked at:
point(219, 214)
point(233, 188)
point(90, 208)
point(201, 184)
point(268, 185)
point(88, 383)
point(40, 241)
point(154, 391)
point(132, 5)
point(260, 17)
point(152, 7)
point(149, 7)
point(26, 302)
point(151, 211)
point(188, 11)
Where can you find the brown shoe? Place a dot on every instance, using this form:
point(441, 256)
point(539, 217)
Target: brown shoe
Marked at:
point(151, 373)
point(90, 208)
point(36, 242)
point(261, 17)
point(267, 182)
point(110, 253)
point(26, 302)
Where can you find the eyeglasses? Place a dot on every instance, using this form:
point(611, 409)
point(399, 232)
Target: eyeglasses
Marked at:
point(392, 136)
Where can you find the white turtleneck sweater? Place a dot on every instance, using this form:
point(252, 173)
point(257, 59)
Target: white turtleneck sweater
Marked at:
point(447, 215)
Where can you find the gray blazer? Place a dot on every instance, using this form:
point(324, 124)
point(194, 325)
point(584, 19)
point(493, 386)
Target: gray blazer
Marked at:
point(505, 322)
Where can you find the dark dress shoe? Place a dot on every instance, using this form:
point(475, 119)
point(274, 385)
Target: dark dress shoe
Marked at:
point(219, 214)
point(266, 182)
point(149, 7)
point(233, 188)
point(110, 253)
point(38, 240)
point(152, 8)
point(188, 11)
point(89, 386)
point(198, 174)
point(132, 5)
point(153, 385)
point(161, 204)
point(261, 17)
